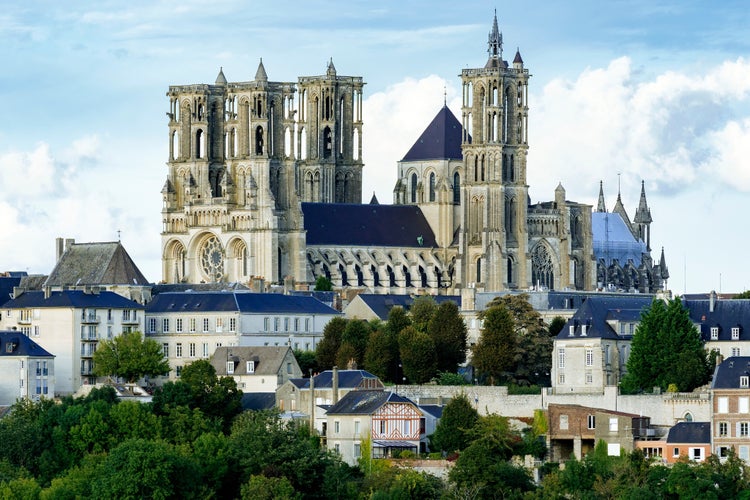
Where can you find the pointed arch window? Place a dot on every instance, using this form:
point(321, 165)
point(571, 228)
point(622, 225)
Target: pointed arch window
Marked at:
point(259, 140)
point(456, 188)
point(199, 144)
point(510, 270)
point(327, 142)
point(479, 270)
point(542, 271)
point(413, 188)
point(432, 186)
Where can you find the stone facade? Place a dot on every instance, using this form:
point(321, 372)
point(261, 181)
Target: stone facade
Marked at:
point(244, 156)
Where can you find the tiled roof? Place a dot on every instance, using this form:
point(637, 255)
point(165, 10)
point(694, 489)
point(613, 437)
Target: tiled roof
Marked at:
point(595, 312)
point(13, 343)
point(268, 359)
point(690, 432)
point(381, 305)
point(726, 314)
point(365, 402)
point(96, 264)
point(441, 140)
point(727, 374)
point(242, 301)
point(367, 225)
point(72, 298)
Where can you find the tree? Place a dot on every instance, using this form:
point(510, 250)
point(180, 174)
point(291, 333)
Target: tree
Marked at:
point(453, 432)
point(666, 349)
point(323, 284)
point(418, 355)
point(130, 356)
point(743, 295)
point(421, 312)
point(486, 461)
point(306, 361)
point(496, 353)
point(448, 331)
point(556, 325)
point(214, 396)
point(329, 345)
point(355, 335)
point(379, 354)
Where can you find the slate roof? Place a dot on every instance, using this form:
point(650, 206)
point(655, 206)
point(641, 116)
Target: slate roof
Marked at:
point(435, 410)
point(726, 315)
point(72, 298)
point(96, 264)
point(441, 140)
point(367, 225)
point(196, 287)
point(7, 283)
point(728, 372)
point(381, 305)
point(596, 311)
point(613, 239)
point(268, 359)
point(348, 379)
point(20, 345)
point(690, 432)
point(365, 402)
point(242, 301)
point(258, 400)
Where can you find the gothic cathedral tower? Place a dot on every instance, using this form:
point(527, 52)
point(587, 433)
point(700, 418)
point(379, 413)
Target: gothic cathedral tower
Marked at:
point(493, 239)
point(242, 157)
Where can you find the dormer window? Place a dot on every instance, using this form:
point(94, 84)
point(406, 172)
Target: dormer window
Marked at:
point(714, 333)
point(571, 330)
point(583, 330)
point(736, 333)
point(744, 381)
point(230, 367)
point(9, 346)
point(250, 367)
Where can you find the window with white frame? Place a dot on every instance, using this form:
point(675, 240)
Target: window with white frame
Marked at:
point(205, 325)
point(744, 381)
point(165, 325)
point(742, 429)
point(191, 349)
point(178, 325)
point(743, 404)
point(736, 333)
point(219, 325)
point(336, 426)
point(589, 377)
point(232, 324)
point(266, 324)
point(296, 324)
point(591, 421)
point(192, 325)
point(561, 378)
point(561, 358)
point(36, 331)
point(307, 324)
point(744, 452)
point(276, 324)
point(407, 428)
point(357, 450)
point(165, 349)
point(675, 452)
point(250, 367)
point(356, 427)
point(178, 350)
point(589, 356)
point(735, 351)
point(723, 429)
point(151, 325)
point(714, 333)
point(613, 424)
point(178, 371)
point(286, 324)
point(230, 367)
point(205, 349)
point(722, 405)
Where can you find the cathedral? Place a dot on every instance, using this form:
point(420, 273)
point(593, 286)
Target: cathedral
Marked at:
point(265, 181)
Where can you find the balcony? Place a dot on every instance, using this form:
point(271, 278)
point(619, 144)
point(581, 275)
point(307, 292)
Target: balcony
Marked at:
point(90, 318)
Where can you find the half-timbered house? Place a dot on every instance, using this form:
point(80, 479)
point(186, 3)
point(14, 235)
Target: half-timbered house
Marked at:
point(391, 422)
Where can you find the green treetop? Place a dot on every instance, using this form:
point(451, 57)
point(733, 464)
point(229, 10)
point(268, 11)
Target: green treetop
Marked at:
point(129, 356)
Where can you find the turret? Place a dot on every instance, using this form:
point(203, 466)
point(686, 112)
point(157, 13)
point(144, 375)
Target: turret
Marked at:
point(601, 206)
point(643, 218)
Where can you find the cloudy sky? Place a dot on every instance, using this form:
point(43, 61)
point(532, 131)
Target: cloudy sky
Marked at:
point(622, 91)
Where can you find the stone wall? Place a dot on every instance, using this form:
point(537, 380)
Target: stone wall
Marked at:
point(664, 409)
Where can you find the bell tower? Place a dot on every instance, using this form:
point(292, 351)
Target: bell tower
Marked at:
point(330, 137)
point(493, 239)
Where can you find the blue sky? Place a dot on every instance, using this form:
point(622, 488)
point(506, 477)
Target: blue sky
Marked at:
point(650, 90)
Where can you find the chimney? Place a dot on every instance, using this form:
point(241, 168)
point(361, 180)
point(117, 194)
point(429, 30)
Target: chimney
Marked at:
point(59, 248)
point(335, 385)
point(69, 242)
point(312, 402)
point(711, 301)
